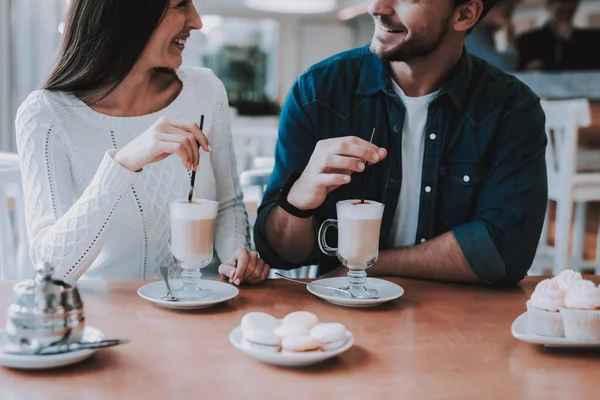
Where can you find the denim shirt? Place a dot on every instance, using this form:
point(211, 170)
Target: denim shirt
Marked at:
point(484, 169)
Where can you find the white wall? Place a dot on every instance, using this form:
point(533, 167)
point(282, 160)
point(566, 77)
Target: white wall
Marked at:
point(6, 128)
point(28, 45)
point(307, 41)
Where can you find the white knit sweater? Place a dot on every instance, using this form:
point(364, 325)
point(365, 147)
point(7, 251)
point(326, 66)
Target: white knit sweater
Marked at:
point(88, 214)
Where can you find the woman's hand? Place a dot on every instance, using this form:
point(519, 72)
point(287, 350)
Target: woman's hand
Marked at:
point(167, 136)
point(245, 267)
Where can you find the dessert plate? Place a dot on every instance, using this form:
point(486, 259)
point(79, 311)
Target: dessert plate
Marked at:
point(284, 359)
point(520, 331)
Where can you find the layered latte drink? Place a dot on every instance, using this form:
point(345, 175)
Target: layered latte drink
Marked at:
point(193, 232)
point(359, 226)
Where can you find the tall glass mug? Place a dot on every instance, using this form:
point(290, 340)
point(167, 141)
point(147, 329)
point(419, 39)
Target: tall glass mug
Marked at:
point(192, 242)
point(358, 228)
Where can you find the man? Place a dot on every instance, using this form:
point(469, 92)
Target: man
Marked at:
point(482, 41)
point(457, 157)
point(558, 45)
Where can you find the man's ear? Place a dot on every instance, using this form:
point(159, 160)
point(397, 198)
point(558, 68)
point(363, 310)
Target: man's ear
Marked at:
point(467, 15)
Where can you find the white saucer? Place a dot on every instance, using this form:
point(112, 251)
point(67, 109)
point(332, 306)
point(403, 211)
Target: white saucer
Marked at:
point(50, 361)
point(156, 290)
point(289, 359)
point(388, 291)
point(520, 331)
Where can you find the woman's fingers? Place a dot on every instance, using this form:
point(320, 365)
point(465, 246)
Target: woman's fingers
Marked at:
point(173, 134)
point(263, 272)
point(226, 271)
point(175, 148)
point(245, 266)
point(240, 260)
point(194, 130)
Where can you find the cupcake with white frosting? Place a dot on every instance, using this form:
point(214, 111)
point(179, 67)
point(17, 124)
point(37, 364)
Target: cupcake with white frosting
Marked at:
point(568, 279)
point(581, 313)
point(543, 309)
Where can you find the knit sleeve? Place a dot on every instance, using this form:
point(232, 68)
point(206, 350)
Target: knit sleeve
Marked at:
point(232, 231)
point(65, 231)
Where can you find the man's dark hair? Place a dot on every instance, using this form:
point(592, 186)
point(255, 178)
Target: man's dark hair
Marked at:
point(487, 6)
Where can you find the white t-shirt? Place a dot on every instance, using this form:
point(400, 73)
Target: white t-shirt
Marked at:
point(406, 218)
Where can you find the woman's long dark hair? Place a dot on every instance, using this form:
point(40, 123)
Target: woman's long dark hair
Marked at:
point(103, 40)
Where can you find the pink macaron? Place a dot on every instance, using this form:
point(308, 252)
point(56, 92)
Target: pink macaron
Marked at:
point(300, 344)
point(331, 335)
point(288, 330)
point(301, 318)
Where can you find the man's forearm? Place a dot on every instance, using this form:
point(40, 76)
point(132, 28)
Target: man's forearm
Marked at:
point(292, 238)
point(438, 259)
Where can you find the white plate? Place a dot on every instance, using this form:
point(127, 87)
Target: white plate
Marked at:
point(289, 359)
point(50, 361)
point(520, 331)
point(388, 291)
point(156, 290)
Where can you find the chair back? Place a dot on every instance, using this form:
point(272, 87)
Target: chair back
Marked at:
point(14, 245)
point(563, 120)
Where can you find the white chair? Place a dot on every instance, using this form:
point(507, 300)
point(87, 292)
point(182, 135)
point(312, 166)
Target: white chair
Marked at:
point(254, 139)
point(14, 245)
point(259, 178)
point(566, 185)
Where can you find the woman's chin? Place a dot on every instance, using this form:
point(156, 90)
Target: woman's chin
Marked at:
point(173, 61)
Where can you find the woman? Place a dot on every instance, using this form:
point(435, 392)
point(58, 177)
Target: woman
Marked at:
point(98, 146)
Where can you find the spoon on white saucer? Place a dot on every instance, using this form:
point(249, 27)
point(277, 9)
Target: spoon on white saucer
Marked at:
point(322, 286)
point(164, 271)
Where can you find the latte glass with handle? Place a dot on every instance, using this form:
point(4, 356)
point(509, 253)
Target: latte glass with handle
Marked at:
point(192, 243)
point(359, 227)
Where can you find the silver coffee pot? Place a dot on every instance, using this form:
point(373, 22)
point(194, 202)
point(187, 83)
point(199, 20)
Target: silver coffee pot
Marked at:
point(45, 310)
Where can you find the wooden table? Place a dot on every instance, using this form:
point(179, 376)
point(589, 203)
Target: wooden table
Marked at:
point(439, 341)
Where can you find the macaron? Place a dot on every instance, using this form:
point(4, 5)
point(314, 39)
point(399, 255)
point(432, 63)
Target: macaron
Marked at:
point(287, 330)
point(261, 340)
point(259, 320)
point(331, 335)
point(302, 318)
point(300, 344)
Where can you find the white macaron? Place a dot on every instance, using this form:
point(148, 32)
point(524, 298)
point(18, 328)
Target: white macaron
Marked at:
point(259, 320)
point(331, 335)
point(261, 340)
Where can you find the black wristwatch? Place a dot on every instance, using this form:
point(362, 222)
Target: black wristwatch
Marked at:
point(283, 194)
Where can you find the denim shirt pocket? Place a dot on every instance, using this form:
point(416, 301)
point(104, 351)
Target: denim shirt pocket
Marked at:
point(458, 185)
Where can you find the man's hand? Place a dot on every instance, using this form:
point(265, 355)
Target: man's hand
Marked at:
point(331, 166)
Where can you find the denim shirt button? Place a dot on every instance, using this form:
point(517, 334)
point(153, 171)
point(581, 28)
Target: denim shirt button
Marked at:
point(466, 178)
point(423, 240)
point(395, 128)
point(428, 189)
point(432, 136)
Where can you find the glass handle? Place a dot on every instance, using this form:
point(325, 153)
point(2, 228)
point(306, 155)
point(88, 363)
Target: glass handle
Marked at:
point(325, 248)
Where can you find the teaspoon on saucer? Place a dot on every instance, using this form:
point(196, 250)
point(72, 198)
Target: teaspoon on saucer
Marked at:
point(164, 271)
point(319, 286)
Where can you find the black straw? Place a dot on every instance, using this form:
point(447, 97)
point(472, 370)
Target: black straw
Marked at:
point(364, 180)
point(193, 182)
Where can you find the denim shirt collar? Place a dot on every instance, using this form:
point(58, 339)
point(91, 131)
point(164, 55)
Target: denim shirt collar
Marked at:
point(375, 77)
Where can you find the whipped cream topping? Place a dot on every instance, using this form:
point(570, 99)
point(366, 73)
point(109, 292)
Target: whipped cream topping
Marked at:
point(568, 279)
point(584, 296)
point(548, 295)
